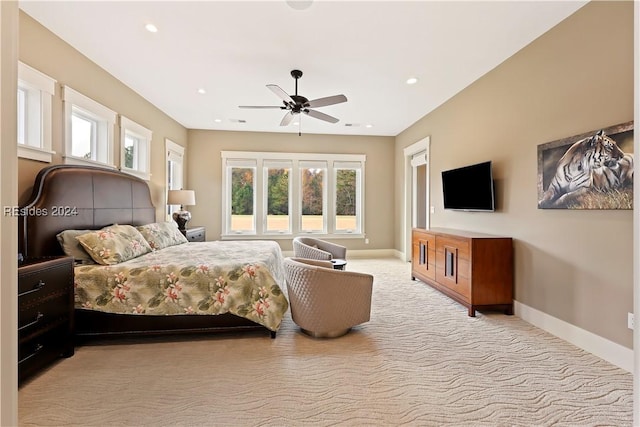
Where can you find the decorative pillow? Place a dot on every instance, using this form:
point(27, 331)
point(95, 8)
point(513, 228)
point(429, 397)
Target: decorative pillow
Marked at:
point(114, 244)
point(72, 247)
point(162, 234)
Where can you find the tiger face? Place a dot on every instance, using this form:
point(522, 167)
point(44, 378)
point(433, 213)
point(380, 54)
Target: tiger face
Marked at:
point(605, 151)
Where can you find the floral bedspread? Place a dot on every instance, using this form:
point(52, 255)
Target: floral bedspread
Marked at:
point(238, 277)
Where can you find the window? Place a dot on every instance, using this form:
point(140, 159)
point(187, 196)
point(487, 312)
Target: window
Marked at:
point(313, 205)
point(347, 196)
point(35, 91)
point(285, 194)
point(135, 145)
point(175, 156)
point(89, 128)
point(242, 175)
point(278, 190)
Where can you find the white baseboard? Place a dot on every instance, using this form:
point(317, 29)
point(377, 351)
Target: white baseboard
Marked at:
point(372, 253)
point(364, 253)
point(610, 351)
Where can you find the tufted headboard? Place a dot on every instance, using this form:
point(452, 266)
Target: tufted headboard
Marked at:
point(80, 197)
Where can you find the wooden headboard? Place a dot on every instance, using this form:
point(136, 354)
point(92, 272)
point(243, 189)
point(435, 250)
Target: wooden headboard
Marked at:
point(68, 197)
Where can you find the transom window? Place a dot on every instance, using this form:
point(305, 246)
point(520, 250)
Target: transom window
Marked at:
point(84, 131)
point(89, 129)
point(35, 91)
point(285, 194)
point(135, 147)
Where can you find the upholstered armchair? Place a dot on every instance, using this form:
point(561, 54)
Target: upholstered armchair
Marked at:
point(324, 302)
point(310, 248)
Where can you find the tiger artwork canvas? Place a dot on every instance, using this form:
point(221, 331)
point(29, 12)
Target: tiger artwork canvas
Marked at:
point(593, 170)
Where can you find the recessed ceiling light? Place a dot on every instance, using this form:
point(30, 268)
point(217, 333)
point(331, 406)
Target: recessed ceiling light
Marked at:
point(202, 91)
point(217, 120)
point(412, 81)
point(151, 28)
point(368, 125)
point(299, 4)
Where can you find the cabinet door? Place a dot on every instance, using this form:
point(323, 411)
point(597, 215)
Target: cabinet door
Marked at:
point(423, 254)
point(452, 265)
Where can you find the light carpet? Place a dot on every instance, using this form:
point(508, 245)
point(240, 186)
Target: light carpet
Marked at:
point(419, 361)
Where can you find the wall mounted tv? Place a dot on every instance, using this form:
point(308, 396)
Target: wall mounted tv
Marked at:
point(469, 188)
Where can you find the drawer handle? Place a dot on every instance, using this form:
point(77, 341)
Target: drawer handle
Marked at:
point(36, 288)
point(37, 319)
point(37, 349)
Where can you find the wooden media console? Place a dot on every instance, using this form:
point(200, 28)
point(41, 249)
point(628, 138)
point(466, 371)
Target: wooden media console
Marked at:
point(472, 268)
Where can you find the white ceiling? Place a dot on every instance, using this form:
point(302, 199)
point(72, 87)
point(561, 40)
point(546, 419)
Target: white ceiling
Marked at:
point(363, 49)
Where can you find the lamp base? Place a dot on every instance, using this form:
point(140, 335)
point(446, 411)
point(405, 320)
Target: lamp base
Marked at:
point(182, 217)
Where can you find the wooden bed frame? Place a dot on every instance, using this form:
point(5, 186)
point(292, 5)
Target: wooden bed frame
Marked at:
point(68, 197)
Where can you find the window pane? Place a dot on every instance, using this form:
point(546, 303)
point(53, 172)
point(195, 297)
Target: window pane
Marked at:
point(242, 199)
point(82, 136)
point(130, 152)
point(346, 199)
point(312, 218)
point(22, 116)
point(278, 199)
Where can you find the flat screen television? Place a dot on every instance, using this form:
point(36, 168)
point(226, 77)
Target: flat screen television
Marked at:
point(469, 188)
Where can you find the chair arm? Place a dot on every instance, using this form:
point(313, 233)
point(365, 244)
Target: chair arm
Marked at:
point(337, 251)
point(316, 262)
point(302, 250)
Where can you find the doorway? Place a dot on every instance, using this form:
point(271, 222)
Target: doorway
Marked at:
point(416, 206)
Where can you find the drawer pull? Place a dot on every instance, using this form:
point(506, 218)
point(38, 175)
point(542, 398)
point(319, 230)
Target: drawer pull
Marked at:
point(36, 288)
point(39, 316)
point(37, 349)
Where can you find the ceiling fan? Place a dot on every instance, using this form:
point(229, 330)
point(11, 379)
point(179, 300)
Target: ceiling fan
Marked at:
point(296, 104)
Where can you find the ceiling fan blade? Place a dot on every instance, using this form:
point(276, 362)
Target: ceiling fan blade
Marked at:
point(287, 119)
point(329, 100)
point(321, 116)
point(262, 106)
point(281, 93)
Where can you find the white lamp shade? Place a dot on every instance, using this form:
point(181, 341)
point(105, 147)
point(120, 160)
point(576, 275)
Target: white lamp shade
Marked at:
point(181, 197)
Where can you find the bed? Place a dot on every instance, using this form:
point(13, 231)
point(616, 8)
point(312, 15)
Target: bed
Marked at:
point(190, 287)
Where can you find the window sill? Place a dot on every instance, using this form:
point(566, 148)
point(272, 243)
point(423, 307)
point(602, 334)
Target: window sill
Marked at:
point(71, 160)
point(289, 236)
point(142, 175)
point(35, 153)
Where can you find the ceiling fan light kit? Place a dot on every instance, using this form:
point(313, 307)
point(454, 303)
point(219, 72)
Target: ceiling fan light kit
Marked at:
point(296, 104)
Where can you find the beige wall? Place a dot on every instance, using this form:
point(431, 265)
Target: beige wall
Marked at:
point(573, 265)
point(204, 173)
point(46, 52)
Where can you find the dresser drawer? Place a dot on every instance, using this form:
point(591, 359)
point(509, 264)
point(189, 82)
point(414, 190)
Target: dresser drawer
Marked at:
point(35, 281)
point(41, 313)
point(40, 350)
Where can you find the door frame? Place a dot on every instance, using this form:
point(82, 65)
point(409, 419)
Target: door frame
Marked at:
point(409, 194)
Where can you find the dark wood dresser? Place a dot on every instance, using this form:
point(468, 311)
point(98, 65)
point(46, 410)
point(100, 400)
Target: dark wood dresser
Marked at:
point(45, 313)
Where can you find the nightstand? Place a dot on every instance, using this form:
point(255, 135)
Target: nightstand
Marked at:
point(195, 234)
point(45, 313)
